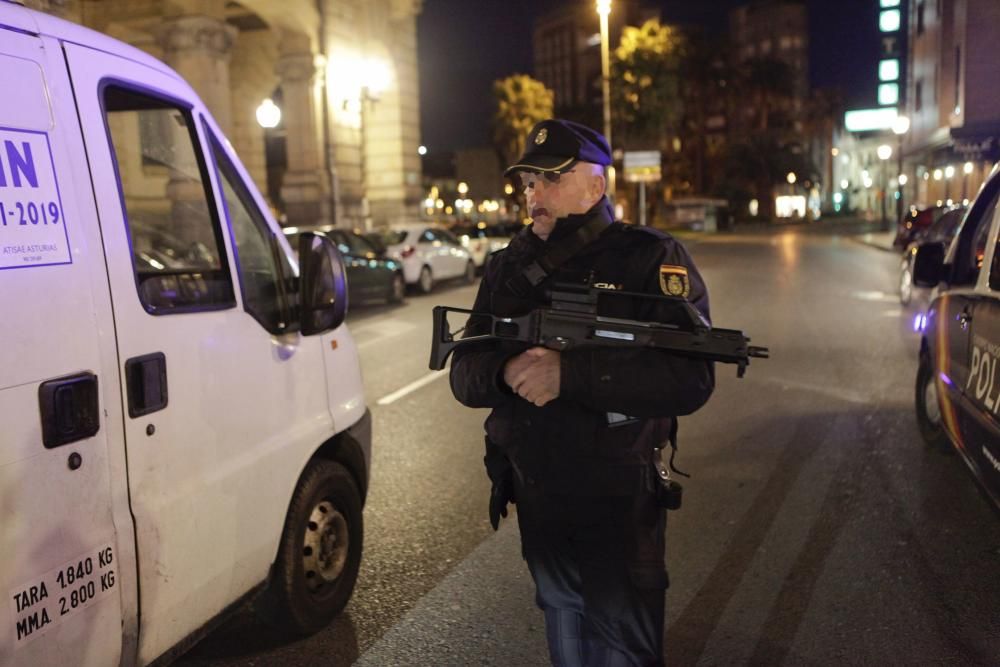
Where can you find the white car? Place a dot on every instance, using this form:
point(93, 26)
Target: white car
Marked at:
point(429, 253)
point(484, 239)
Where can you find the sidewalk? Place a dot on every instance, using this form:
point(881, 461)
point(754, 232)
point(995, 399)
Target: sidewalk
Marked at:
point(880, 240)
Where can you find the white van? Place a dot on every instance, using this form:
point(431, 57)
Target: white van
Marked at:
point(182, 420)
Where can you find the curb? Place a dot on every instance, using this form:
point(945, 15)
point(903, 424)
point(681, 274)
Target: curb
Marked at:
point(873, 244)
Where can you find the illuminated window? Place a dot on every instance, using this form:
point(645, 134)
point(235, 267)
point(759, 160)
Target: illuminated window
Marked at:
point(888, 70)
point(888, 3)
point(889, 20)
point(888, 94)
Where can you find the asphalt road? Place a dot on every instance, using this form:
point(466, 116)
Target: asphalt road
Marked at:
point(816, 527)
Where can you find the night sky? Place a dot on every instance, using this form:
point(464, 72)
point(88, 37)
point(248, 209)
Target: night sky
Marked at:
point(464, 45)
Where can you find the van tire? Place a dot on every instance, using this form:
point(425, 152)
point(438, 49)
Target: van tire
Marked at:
point(325, 509)
point(928, 407)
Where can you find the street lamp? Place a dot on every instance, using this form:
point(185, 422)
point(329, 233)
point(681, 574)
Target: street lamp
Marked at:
point(791, 178)
point(900, 126)
point(966, 170)
point(268, 114)
point(884, 152)
point(603, 9)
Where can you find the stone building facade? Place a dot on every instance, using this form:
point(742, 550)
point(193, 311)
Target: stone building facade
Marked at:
point(348, 147)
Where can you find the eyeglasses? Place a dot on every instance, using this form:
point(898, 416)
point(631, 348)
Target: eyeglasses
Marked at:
point(529, 178)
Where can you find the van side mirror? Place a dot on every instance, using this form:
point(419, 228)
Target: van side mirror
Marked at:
point(928, 265)
point(322, 284)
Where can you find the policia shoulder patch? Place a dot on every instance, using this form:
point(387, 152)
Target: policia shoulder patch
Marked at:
point(674, 280)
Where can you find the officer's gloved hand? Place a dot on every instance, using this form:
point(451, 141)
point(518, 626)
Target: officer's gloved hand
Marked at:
point(501, 494)
point(501, 473)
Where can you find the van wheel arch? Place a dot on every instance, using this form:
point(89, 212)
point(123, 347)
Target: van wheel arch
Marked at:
point(343, 449)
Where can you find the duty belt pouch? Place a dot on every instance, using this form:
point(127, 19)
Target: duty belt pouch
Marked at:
point(668, 490)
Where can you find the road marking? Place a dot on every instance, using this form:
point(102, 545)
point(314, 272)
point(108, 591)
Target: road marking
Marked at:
point(845, 395)
point(412, 387)
point(875, 296)
point(380, 330)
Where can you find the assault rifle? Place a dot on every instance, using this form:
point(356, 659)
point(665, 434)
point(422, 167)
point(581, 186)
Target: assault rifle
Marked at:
point(572, 321)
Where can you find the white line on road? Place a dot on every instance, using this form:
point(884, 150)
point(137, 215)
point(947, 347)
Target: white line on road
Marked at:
point(412, 387)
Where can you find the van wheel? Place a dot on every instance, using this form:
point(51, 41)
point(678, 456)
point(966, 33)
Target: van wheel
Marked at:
point(320, 551)
point(426, 280)
point(928, 407)
point(397, 289)
point(470, 273)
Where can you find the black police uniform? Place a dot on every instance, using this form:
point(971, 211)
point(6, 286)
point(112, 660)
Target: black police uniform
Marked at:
point(592, 531)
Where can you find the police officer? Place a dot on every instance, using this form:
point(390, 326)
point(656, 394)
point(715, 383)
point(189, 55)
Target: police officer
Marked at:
point(572, 435)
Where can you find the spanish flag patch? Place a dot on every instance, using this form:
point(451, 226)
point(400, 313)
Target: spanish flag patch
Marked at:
point(674, 280)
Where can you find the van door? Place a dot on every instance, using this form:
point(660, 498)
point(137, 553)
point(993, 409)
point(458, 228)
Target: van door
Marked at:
point(224, 401)
point(59, 568)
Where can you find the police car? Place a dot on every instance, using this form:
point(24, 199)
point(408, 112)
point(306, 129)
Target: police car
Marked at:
point(958, 384)
point(183, 421)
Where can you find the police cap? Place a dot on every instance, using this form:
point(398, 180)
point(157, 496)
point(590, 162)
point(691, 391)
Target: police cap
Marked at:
point(556, 145)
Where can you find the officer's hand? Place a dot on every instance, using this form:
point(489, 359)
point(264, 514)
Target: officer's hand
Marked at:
point(539, 382)
point(501, 494)
point(515, 365)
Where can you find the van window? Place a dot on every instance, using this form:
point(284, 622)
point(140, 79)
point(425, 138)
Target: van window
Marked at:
point(177, 248)
point(264, 270)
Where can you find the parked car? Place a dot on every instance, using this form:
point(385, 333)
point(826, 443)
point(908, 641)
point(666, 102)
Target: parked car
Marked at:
point(429, 253)
point(942, 231)
point(958, 388)
point(184, 422)
point(482, 239)
point(372, 276)
point(914, 222)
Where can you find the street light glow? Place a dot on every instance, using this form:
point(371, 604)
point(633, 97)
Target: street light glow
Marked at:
point(901, 125)
point(967, 168)
point(791, 177)
point(463, 188)
point(844, 184)
point(268, 114)
point(938, 174)
point(902, 179)
point(884, 152)
point(603, 7)
point(949, 171)
point(422, 150)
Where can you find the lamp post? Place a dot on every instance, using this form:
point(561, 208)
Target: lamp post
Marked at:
point(900, 127)
point(884, 152)
point(603, 9)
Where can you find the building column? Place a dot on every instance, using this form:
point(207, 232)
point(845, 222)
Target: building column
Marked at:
point(305, 188)
point(198, 48)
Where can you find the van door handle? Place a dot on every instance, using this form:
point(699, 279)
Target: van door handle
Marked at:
point(146, 384)
point(69, 409)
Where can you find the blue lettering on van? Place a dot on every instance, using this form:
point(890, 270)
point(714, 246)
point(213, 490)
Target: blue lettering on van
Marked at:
point(20, 164)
